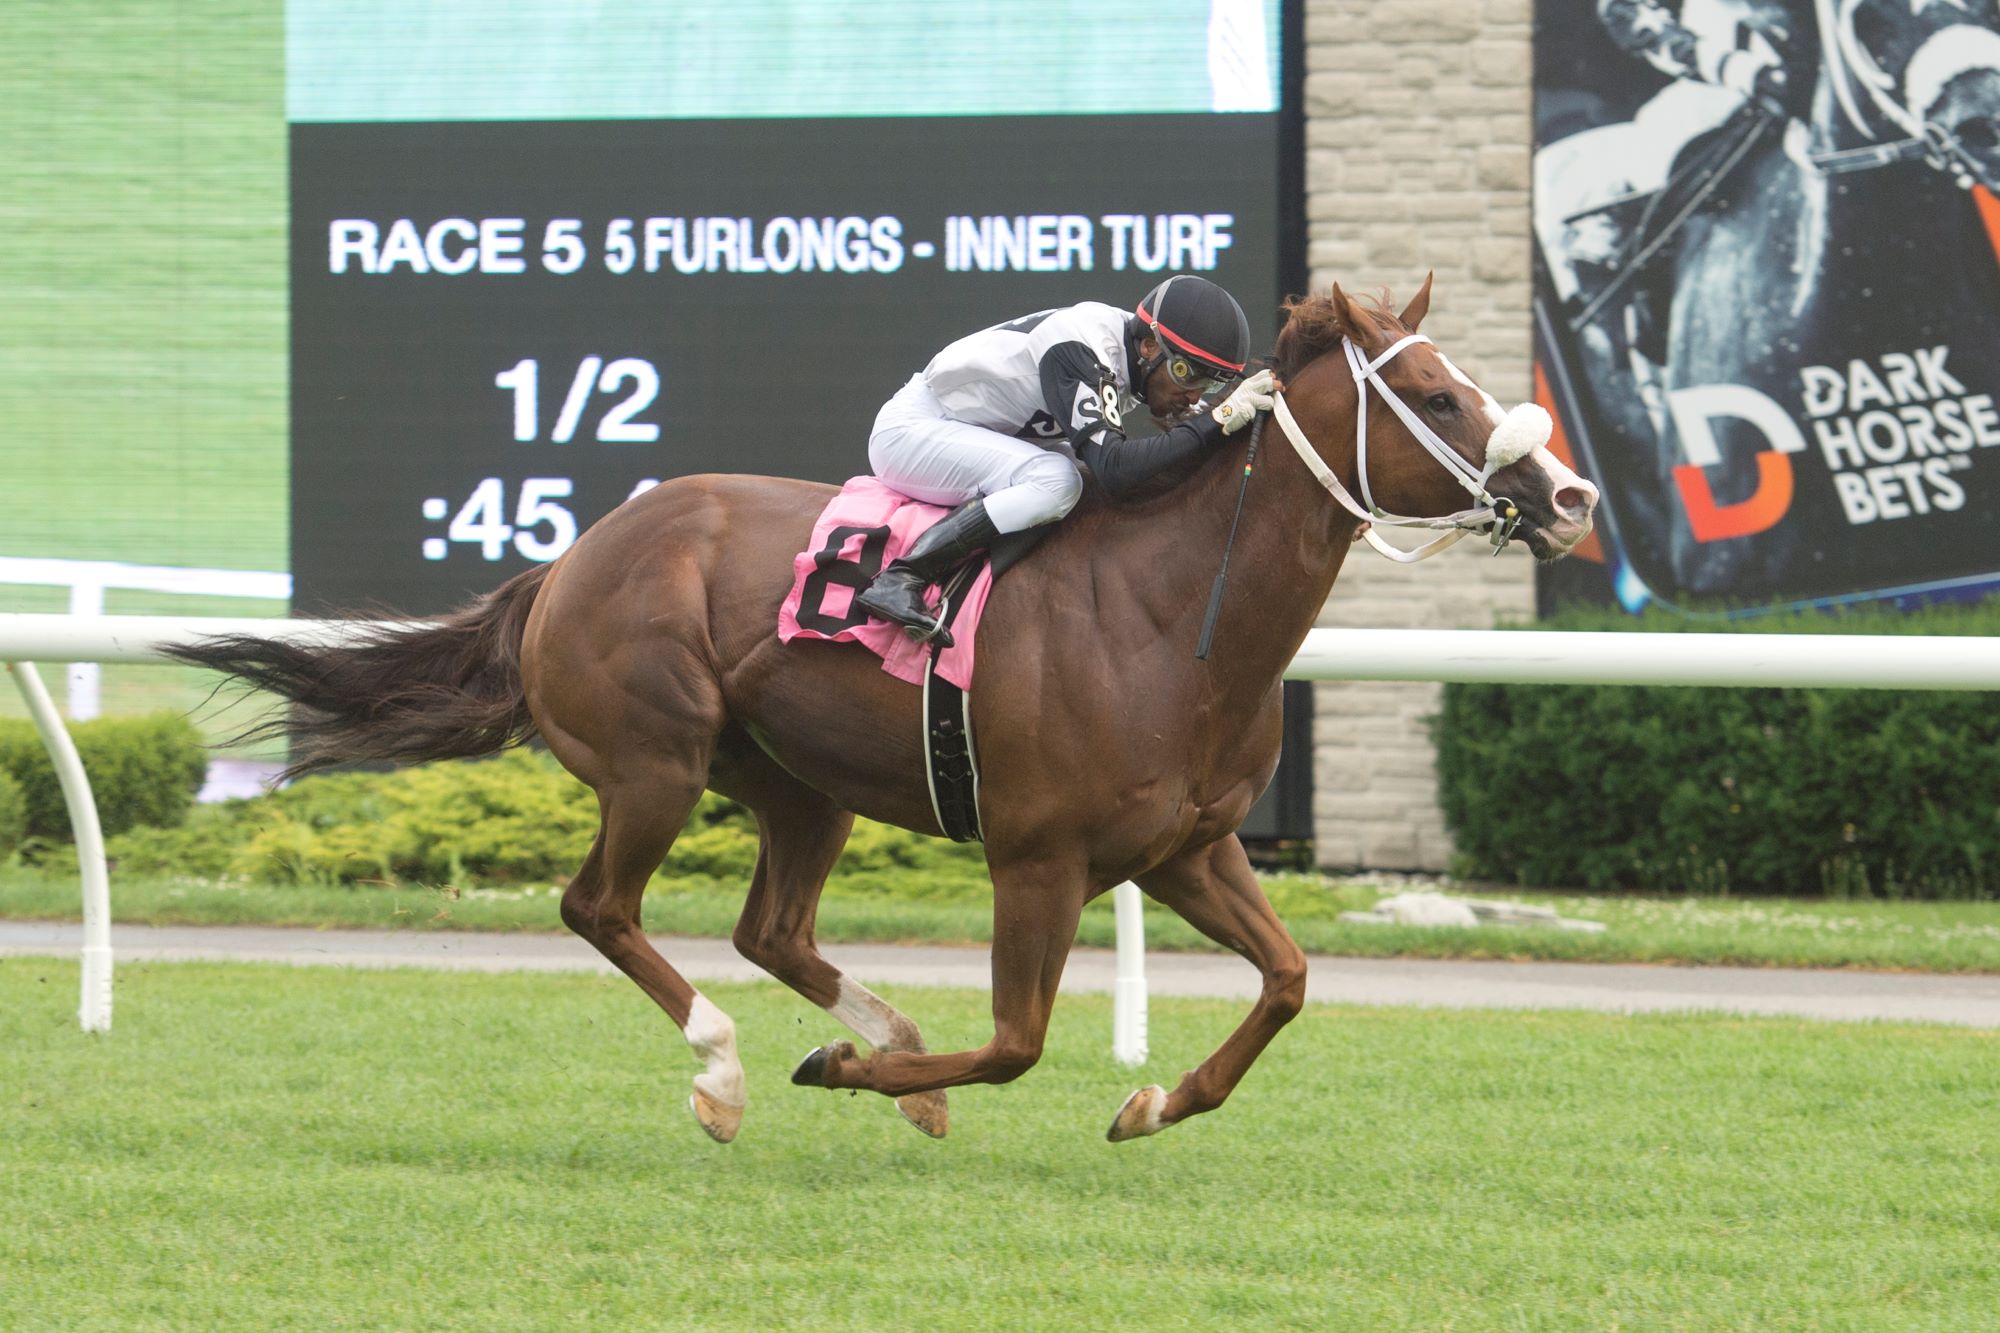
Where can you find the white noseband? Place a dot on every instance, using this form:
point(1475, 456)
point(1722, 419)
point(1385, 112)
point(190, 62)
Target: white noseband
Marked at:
point(1521, 432)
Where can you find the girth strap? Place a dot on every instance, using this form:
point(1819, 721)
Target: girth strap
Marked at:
point(951, 766)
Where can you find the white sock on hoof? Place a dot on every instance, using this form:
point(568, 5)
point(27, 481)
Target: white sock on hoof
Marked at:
point(713, 1038)
point(871, 1018)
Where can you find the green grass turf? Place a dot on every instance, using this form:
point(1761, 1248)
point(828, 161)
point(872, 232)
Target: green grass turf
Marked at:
point(273, 1148)
point(1927, 937)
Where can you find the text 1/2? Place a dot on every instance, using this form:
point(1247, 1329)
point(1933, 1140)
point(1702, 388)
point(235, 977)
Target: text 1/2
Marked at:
point(618, 425)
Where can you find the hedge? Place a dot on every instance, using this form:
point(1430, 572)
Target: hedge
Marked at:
point(13, 815)
point(518, 818)
point(1834, 792)
point(144, 771)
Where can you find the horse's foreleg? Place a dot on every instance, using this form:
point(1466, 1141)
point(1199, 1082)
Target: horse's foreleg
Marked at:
point(803, 834)
point(640, 821)
point(1215, 891)
point(1035, 911)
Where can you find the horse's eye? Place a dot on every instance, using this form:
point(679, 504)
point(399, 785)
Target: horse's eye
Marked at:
point(1441, 403)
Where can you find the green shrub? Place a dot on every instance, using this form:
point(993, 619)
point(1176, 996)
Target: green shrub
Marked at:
point(13, 815)
point(1841, 792)
point(719, 841)
point(884, 861)
point(144, 772)
point(202, 846)
point(514, 819)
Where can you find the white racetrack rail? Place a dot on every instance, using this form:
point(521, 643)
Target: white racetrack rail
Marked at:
point(1845, 661)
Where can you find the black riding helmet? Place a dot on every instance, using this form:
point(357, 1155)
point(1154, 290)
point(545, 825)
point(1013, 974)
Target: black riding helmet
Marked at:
point(1201, 331)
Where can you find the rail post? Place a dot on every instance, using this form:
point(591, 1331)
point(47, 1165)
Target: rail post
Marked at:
point(1128, 999)
point(94, 1008)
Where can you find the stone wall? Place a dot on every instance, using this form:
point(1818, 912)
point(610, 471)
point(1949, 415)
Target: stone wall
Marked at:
point(1417, 143)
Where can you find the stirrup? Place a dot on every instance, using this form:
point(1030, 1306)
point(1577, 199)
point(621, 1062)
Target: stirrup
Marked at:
point(920, 625)
point(935, 632)
point(930, 630)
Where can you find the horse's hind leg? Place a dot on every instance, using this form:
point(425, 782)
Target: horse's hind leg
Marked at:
point(1035, 909)
point(640, 821)
point(1215, 891)
point(802, 835)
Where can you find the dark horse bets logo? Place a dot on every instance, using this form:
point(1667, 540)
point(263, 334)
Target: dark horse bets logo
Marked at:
point(1771, 327)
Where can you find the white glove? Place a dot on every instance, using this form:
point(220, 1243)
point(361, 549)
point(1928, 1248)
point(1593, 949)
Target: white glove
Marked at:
point(1241, 407)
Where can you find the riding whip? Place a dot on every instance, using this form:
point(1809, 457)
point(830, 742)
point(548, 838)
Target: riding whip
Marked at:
point(1222, 575)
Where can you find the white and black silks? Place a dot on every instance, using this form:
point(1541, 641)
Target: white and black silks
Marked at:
point(1008, 412)
point(1095, 424)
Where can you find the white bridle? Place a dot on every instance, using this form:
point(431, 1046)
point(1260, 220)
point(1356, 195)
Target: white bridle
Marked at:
point(1518, 434)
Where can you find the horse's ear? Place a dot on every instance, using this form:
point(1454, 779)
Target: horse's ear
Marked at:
point(1352, 324)
point(1419, 306)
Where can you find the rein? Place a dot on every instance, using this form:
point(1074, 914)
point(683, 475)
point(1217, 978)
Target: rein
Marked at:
point(1716, 163)
point(1497, 517)
point(1936, 147)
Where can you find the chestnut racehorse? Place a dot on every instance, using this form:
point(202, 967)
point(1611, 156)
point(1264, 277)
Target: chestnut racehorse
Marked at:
point(647, 659)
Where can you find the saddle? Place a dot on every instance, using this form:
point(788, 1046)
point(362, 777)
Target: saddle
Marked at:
point(856, 536)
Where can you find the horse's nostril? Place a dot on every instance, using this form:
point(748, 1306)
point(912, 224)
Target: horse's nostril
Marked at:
point(1575, 501)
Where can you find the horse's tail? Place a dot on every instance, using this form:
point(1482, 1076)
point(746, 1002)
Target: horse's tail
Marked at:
point(450, 690)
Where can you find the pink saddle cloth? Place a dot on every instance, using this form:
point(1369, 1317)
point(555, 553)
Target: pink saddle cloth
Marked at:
point(865, 527)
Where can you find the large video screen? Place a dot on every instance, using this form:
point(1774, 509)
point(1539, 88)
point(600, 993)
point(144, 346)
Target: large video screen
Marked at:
point(1767, 306)
point(543, 256)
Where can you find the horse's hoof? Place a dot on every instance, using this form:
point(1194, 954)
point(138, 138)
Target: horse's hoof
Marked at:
point(927, 1111)
point(812, 1070)
point(1140, 1115)
point(719, 1121)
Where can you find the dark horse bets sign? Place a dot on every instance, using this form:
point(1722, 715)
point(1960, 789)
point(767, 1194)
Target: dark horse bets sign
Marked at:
point(1768, 294)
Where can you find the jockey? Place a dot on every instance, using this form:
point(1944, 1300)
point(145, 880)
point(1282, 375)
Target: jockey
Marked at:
point(1720, 54)
point(1741, 45)
point(999, 421)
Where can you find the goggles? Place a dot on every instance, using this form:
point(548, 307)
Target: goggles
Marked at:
point(1189, 374)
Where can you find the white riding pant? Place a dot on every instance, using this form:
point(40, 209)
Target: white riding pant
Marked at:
point(918, 450)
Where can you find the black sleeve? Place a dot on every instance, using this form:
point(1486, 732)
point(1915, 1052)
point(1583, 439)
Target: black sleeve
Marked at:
point(1081, 395)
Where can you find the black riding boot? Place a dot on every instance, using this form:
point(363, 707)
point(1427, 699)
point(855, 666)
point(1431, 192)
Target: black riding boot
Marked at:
point(897, 594)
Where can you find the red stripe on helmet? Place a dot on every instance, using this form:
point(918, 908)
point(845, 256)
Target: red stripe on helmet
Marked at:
point(1154, 324)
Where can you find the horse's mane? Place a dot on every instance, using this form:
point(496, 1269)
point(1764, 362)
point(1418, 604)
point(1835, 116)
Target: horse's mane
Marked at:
point(1314, 326)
